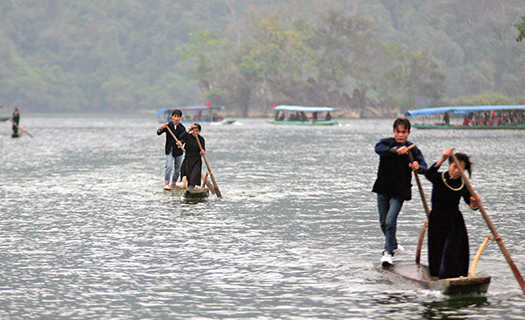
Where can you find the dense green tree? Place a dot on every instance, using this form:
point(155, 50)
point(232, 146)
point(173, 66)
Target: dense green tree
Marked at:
point(471, 40)
point(248, 75)
point(341, 43)
point(273, 56)
point(301, 63)
point(408, 78)
point(521, 29)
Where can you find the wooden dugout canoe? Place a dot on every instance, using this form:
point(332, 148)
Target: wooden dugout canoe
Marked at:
point(419, 275)
point(196, 193)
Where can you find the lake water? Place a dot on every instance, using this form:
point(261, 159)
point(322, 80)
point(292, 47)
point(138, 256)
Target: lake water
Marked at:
point(87, 232)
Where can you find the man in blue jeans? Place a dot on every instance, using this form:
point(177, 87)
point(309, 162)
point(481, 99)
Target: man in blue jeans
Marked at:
point(173, 150)
point(393, 183)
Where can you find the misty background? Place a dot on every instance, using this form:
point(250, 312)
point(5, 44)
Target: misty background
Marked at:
point(370, 58)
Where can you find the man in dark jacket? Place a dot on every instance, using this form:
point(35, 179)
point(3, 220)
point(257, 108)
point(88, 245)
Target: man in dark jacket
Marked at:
point(393, 184)
point(173, 150)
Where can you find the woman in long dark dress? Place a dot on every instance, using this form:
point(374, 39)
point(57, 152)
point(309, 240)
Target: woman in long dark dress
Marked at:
point(448, 248)
point(192, 164)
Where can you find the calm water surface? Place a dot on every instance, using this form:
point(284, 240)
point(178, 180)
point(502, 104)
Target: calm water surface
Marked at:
point(86, 231)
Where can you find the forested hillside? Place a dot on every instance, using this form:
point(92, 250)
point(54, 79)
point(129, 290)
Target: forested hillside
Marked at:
point(369, 58)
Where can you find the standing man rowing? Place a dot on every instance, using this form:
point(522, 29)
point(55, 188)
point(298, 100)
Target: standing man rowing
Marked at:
point(393, 184)
point(173, 150)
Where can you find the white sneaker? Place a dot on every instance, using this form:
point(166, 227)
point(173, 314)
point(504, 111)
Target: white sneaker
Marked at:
point(399, 249)
point(386, 260)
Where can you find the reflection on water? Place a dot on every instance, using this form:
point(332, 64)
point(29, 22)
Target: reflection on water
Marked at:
point(456, 307)
point(88, 232)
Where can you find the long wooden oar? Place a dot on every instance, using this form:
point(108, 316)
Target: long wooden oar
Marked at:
point(173, 135)
point(22, 130)
point(425, 205)
point(217, 191)
point(491, 227)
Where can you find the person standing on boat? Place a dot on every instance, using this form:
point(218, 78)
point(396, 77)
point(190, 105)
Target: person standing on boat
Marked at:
point(15, 120)
point(173, 150)
point(448, 249)
point(192, 165)
point(446, 119)
point(393, 183)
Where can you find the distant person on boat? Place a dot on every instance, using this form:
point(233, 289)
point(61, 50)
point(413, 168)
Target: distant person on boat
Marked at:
point(15, 120)
point(192, 165)
point(174, 154)
point(448, 249)
point(303, 117)
point(446, 119)
point(328, 116)
point(393, 184)
point(466, 121)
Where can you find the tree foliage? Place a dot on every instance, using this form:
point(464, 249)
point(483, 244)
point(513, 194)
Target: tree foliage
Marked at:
point(147, 54)
point(521, 29)
point(340, 62)
point(487, 99)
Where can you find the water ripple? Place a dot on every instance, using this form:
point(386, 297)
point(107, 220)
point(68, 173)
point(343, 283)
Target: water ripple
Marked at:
point(87, 231)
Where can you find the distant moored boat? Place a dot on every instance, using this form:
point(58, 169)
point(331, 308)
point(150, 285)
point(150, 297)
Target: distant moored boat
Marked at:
point(470, 117)
point(298, 115)
point(195, 114)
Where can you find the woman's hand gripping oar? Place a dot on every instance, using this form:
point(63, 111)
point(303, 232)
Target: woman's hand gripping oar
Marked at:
point(217, 191)
point(176, 140)
point(425, 205)
point(491, 226)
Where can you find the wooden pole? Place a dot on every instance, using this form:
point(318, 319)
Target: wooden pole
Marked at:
point(173, 135)
point(425, 205)
point(493, 230)
point(420, 188)
point(420, 241)
point(207, 182)
point(217, 191)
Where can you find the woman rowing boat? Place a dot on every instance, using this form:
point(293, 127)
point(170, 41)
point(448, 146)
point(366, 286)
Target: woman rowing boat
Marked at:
point(448, 248)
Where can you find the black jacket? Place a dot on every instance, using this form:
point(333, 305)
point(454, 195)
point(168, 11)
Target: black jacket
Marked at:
point(192, 146)
point(394, 175)
point(171, 144)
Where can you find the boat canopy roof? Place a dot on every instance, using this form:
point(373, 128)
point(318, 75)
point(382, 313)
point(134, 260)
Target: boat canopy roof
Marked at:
point(161, 111)
point(459, 109)
point(305, 109)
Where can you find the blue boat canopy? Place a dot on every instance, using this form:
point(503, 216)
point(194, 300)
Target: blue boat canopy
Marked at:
point(459, 109)
point(161, 111)
point(305, 109)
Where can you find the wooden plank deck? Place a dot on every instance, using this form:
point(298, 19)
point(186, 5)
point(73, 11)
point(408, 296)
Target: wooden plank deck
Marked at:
point(187, 193)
